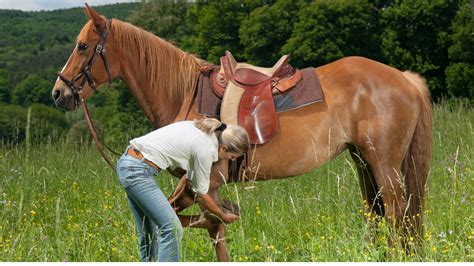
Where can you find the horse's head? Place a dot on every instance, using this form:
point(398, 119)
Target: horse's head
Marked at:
point(93, 62)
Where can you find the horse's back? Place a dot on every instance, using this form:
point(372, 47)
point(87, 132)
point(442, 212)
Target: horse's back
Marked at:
point(354, 79)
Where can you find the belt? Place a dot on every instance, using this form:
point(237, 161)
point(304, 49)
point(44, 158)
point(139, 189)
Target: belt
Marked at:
point(137, 154)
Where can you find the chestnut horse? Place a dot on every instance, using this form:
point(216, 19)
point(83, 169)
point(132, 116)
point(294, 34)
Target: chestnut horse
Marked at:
point(380, 114)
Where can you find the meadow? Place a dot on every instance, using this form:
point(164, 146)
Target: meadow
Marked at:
point(63, 203)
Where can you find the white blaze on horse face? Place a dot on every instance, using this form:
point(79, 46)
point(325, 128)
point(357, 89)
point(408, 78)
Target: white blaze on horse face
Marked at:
point(67, 62)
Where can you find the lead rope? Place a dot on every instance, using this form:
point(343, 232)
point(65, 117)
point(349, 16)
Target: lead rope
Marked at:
point(93, 133)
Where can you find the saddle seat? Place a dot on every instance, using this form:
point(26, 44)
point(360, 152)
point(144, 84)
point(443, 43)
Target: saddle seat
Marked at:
point(247, 94)
point(252, 75)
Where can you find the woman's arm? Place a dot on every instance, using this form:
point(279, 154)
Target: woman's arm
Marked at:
point(208, 202)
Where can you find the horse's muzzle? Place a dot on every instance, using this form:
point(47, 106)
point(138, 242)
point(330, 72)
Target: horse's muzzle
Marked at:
point(64, 99)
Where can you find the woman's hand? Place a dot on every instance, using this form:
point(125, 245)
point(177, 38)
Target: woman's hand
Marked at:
point(208, 203)
point(229, 218)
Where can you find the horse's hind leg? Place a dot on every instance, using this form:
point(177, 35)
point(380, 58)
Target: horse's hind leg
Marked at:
point(385, 167)
point(373, 202)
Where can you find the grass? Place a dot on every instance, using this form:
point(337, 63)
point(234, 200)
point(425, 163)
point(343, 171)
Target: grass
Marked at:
point(63, 203)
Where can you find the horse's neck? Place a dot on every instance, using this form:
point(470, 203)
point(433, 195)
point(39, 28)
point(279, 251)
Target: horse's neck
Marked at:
point(157, 106)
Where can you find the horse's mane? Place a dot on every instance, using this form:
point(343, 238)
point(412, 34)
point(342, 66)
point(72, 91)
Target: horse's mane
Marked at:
point(169, 70)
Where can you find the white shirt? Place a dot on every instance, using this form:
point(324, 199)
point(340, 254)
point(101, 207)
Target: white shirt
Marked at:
point(181, 145)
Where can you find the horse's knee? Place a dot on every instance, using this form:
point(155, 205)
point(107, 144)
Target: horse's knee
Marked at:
point(217, 232)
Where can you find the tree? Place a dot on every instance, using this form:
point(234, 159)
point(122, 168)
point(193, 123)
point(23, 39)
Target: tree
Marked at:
point(4, 87)
point(164, 18)
point(214, 27)
point(264, 32)
point(460, 73)
point(328, 30)
point(31, 90)
point(415, 38)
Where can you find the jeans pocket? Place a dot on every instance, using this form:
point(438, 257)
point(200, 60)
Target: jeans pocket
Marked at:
point(130, 169)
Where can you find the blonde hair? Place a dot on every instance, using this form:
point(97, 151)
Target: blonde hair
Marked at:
point(234, 137)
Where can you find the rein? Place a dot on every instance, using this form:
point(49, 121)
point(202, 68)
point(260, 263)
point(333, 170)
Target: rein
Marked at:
point(85, 75)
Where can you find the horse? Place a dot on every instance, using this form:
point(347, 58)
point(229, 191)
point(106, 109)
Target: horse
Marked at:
point(380, 114)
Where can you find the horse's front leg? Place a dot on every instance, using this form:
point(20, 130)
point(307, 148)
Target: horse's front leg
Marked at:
point(219, 176)
point(183, 197)
point(217, 234)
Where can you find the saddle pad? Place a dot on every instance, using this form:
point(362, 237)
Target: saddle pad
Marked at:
point(306, 92)
point(209, 104)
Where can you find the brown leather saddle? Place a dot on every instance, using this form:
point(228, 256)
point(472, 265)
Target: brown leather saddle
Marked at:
point(247, 94)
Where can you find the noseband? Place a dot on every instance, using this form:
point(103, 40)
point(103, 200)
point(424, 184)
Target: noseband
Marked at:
point(85, 75)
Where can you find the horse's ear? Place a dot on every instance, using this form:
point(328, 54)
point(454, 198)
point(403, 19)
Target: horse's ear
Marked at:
point(99, 21)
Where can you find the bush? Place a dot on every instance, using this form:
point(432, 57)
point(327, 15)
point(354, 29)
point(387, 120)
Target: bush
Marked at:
point(46, 123)
point(460, 80)
point(79, 134)
point(12, 123)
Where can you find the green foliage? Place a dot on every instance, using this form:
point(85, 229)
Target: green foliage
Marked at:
point(216, 27)
point(117, 111)
point(12, 123)
point(164, 18)
point(79, 134)
point(4, 87)
point(415, 37)
point(329, 30)
point(47, 123)
point(462, 37)
point(31, 90)
point(264, 32)
point(460, 73)
point(460, 80)
point(41, 42)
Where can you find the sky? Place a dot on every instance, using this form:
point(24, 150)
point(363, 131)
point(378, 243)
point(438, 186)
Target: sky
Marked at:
point(36, 5)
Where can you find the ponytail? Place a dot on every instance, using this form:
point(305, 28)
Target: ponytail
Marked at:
point(234, 137)
point(208, 125)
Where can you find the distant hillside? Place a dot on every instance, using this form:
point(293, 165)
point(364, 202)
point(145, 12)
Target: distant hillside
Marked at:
point(40, 42)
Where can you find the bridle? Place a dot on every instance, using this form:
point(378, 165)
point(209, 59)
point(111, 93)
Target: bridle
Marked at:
point(85, 75)
point(76, 84)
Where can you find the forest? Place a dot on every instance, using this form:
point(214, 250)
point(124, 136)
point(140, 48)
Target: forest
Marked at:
point(432, 38)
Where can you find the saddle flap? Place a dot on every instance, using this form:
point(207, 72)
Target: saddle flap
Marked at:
point(257, 113)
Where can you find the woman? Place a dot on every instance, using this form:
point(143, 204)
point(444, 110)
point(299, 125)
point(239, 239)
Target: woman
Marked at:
point(189, 145)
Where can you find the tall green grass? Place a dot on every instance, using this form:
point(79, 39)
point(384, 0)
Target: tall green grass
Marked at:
point(63, 203)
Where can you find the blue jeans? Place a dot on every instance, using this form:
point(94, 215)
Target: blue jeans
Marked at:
point(158, 226)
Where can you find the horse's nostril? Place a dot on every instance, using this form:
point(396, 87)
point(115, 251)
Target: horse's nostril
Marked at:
point(56, 95)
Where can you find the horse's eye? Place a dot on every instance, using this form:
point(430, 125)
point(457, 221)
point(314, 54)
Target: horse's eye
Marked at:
point(82, 46)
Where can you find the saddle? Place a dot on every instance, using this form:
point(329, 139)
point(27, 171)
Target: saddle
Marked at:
point(247, 94)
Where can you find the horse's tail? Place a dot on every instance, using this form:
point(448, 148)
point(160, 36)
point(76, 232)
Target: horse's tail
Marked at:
point(416, 163)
